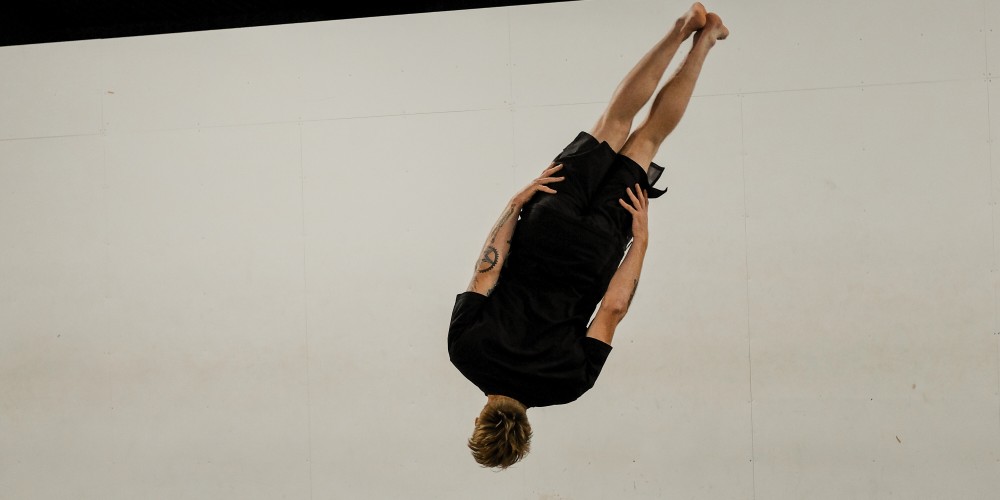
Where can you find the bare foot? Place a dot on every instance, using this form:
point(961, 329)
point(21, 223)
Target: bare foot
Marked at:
point(714, 29)
point(692, 20)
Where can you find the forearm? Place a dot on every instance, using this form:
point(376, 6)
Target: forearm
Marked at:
point(625, 281)
point(497, 246)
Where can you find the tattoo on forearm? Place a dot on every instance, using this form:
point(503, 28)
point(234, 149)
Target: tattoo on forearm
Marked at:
point(491, 256)
point(635, 286)
point(489, 260)
point(503, 220)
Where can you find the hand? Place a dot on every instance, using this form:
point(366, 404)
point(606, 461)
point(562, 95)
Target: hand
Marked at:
point(639, 210)
point(539, 184)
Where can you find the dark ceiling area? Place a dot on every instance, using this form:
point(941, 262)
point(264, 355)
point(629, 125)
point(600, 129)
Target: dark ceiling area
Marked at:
point(65, 20)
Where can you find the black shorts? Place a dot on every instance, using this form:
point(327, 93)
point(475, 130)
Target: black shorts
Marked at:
point(596, 177)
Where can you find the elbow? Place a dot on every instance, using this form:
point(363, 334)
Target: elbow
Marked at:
point(617, 310)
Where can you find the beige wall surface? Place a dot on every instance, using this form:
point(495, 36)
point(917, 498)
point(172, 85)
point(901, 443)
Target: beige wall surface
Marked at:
point(228, 259)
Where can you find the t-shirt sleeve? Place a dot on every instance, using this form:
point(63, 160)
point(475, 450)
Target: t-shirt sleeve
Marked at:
point(597, 353)
point(465, 313)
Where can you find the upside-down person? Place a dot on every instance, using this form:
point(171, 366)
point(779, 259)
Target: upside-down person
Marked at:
point(520, 332)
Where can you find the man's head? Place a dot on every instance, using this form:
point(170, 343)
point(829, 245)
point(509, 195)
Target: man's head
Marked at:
point(502, 435)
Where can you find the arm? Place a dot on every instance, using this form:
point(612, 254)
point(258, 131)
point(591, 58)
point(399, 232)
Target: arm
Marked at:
point(620, 293)
point(497, 246)
point(495, 250)
point(618, 298)
point(625, 282)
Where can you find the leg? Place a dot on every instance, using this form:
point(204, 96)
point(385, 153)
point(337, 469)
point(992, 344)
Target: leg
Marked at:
point(635, 90)
point(673, 98)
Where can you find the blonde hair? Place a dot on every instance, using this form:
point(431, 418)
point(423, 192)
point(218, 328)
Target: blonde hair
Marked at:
point(502, 436)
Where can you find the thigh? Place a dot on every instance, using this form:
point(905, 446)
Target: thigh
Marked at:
point(640, 149)
point(585, 163)
point(605, 209)
point(614, 132)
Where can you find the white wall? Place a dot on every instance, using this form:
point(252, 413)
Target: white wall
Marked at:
point(228, 259)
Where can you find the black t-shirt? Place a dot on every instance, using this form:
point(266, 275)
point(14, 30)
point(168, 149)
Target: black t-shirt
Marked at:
point(527, 339)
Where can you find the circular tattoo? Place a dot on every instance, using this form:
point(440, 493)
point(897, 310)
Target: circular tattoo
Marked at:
point(490, 258)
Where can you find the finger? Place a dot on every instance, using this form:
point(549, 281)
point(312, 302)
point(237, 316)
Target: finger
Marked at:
point(551, 179)
point(635, 201)
point(548, 189)
point(626, 205)
point(641, 194)
point(552, 169)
